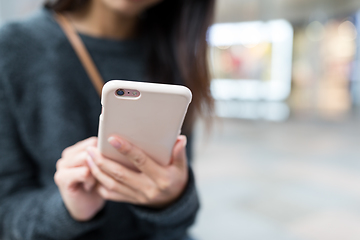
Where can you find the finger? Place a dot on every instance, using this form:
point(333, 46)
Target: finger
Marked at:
point(120, 173)
point(79, 146)
point(78, 160)
point(90, 183)
point(141, 161)
point(179, 158)
point(113, 196)
point(82, 145)
point(70, 178)
point(108, 182)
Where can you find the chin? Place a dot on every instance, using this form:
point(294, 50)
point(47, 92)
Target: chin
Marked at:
point(130, 8)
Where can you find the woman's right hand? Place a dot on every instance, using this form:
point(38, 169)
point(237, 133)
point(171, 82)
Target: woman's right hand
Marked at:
point(76, 183)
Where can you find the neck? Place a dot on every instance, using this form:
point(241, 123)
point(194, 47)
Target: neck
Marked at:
point(99, 21)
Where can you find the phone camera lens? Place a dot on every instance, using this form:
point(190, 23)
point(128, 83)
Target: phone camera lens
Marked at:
point(120, 92)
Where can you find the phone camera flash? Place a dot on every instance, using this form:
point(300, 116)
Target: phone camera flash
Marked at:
point(134, 93)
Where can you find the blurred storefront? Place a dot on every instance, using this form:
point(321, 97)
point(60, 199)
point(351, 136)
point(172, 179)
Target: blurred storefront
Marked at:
point(324, 66)
point(317, 75)
point(251, 64)
point(324, 56)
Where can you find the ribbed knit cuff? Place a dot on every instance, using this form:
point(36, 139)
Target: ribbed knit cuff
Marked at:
point(61, 222)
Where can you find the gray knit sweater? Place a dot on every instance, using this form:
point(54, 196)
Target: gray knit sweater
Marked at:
point(48, 103)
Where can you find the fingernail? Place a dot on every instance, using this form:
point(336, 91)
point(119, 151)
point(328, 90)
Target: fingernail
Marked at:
point(185, 141)
point(114, 142)
point(90, 152)
point(89, 161)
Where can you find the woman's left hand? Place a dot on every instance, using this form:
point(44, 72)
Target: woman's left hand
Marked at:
point(153, 186)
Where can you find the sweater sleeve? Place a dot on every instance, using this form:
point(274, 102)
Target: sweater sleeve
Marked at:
point(28, 210)
point(176, 217)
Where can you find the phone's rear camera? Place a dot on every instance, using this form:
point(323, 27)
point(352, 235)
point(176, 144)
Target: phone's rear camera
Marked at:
point(120, 92)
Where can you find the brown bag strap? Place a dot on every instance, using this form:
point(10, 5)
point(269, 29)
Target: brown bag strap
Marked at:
point(81, 51)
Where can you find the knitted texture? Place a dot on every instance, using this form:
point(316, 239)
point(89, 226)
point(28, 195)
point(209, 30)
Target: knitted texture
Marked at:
point(48, 103)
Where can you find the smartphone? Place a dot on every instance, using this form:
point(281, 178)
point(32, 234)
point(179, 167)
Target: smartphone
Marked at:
point(149, 115)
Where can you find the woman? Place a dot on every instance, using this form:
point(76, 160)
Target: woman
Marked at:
point(49, 110)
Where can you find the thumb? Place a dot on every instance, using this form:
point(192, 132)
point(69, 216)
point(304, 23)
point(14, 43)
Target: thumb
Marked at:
point(179, 152)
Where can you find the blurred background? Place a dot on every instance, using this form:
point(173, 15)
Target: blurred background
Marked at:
point(282, 159)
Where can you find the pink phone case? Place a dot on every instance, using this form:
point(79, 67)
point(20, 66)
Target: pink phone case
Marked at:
point(150, 120)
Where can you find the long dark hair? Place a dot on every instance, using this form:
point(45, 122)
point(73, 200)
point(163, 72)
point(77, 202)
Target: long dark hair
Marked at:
point(175, 33)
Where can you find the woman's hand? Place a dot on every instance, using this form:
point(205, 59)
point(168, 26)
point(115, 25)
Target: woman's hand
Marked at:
point(76, 183)
point(153, 186)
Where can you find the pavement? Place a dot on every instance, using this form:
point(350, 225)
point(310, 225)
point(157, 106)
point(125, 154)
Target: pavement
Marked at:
point(293, 180)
